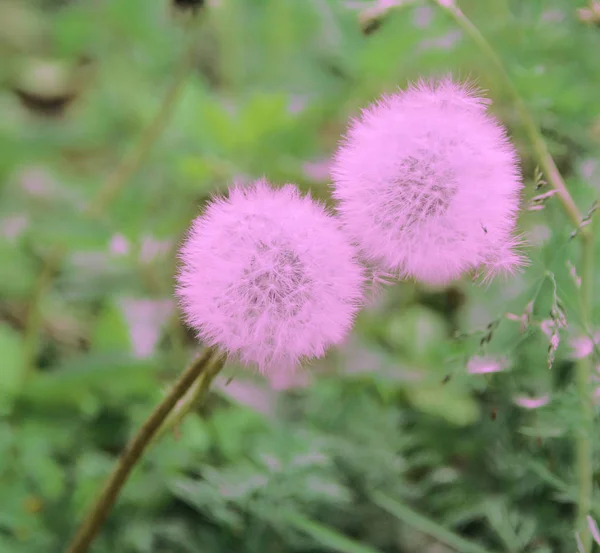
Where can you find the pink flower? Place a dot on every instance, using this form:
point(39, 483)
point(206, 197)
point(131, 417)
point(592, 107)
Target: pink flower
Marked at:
point(152, 249)
point(486, 364)
point(269, 276)
point(284, 380)
point(119, 245)
point(13, 226)
point(582, 346)
point(146, 319)
point(428, 184)
point(532, 402)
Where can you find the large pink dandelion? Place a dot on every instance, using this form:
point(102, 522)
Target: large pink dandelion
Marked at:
point(428, 184)
point(268, 276)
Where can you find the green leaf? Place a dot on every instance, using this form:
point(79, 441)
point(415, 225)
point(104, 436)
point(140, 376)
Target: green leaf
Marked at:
point(426, 525)
point(74, 382)
point(66, 227)
point(328, 537)
point(111, 332)
point(450, 403)
point(417, 331)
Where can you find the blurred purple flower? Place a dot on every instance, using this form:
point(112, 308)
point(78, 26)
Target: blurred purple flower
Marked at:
point(423, 16)
point(297, 104)
point(38, 183)
point(486, 364)
point(288, 380)
point(317, 171)
point(249, 394)
point(146, 319)
point(151, 248)
point(594, 529)
point(13, 226)
point(445, 42)
point(268, 275)
point(538, 235)
point(582, 346)
point(119, 245)
point(532, 402)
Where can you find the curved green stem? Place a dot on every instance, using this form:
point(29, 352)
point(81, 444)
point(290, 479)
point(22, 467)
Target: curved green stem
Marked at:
point(585, 367)
point(539, 144)
point(583, 448)
point(193, 396)
point(133, 452)
point(133, 160)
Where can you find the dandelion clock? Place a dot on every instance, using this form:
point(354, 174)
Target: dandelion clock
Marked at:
point(428, 185)
point(267, 275)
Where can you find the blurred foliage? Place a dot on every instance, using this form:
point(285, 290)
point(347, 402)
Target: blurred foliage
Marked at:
point(86, 349)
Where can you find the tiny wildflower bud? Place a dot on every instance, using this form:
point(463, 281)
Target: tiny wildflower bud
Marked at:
point(268, 275)
point(428, 184)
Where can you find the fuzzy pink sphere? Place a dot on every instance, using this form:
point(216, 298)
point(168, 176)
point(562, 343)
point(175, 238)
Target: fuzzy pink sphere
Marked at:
point(428, 184)
point(268, 275)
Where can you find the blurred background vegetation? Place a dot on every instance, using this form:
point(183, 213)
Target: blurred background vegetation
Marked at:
point(391, 442)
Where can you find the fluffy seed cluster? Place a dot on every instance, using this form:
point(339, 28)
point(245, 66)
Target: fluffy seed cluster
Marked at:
point(428, 184)
point(268, 275)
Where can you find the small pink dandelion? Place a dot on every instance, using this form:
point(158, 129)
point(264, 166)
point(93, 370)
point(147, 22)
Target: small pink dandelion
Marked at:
point(269, 276)
point(428, 184)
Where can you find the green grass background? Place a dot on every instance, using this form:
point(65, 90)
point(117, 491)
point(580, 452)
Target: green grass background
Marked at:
point(381, 451)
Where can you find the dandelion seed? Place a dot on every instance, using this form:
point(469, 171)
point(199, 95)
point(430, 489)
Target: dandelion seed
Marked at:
point(269, 276)
point(428, 185)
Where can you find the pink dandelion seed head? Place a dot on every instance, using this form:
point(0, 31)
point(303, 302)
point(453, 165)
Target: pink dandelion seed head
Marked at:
point(428, 184)
point(269, 276)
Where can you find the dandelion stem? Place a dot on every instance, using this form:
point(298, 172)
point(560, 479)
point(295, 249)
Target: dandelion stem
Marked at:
point(583, 443)
point(192, 397)
point(133, 452)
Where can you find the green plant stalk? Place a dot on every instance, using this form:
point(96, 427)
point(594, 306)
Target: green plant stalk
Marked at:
point(426, 525)
point(583, 442)
point(92, 523)
point(133, 160)
point(326, 536)
point(110, 189)
point(537, 140)
point(584, 369)
point(193, 396)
